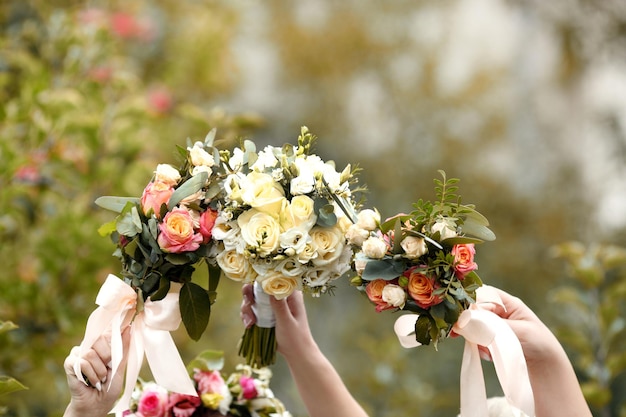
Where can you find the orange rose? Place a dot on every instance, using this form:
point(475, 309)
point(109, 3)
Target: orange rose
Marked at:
point(374, 291)
point(421, 287)
point(177, 233)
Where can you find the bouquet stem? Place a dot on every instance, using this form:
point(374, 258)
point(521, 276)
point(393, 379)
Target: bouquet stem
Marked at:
point(258, 343)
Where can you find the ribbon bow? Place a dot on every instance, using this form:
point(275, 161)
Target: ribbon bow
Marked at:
point(149, 334)
point(480, 326)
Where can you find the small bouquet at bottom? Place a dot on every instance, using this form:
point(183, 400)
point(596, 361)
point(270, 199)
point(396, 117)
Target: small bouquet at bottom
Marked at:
point(422, 262)
point(283, 228)
point(243, 393)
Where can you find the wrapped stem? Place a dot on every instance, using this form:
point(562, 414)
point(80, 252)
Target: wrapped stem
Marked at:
point(258, 343)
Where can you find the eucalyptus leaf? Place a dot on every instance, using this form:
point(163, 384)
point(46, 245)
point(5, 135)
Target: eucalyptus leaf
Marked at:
point(326, 216)
point(127, 226)
point(115, 204)
point(210, 138)
point(195, 309)
point(478, 230)
point(208, 360)
point(386, 269)
point(192, 185)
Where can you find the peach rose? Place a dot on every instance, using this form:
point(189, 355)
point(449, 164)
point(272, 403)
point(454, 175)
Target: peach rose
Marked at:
point(278, 285)
point(464, 259)
point(235, 266)
point(154, 196)
point(177, 233)
point(374, 291)
point(421, 287)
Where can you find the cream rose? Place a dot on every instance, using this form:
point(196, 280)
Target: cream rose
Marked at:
point(328, 243)
point(356, 235)
point(200, 157)
point(303, 211)
point(394, 295)
point(374, 248)
point(368, 219)
point(235, 266)
point(414, 247)
point(308, 252)
point(278, 285)
point(167, 174)
point(260, 231)
point(262, 192)
point(446, 230)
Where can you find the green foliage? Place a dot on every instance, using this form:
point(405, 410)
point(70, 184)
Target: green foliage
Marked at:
point(8, 384)
point(593, 309)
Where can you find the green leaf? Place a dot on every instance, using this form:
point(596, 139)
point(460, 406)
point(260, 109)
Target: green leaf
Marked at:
point(127, 223)
point(386, 269)
point(192, 185)
point(208, 360)
point(177, 258)
point(107, 228)
point(161, 292)
point(474, 227)
point(438, 313)
point(115, 204)
point(195, 309)
point(8, 385)
point(422, 329)
point(6, 326)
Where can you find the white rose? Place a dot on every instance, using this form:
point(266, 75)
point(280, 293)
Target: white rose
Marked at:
point(308, 253)
point(356, 235)
point(445, 228)
point(167, 174)
point(414, 247)
point(302, 184)
point(260, 231)
point(227, 231)
point(235, 266)
point(328, 243)
point(200, 169)
point(200, 157)
point(359, 266)
point(368, 219)
point(232, 187)
point(394, 295)
point(318, 277)
point(262, 192)
point(374, 248)
point(303, 211)
point(278, 285)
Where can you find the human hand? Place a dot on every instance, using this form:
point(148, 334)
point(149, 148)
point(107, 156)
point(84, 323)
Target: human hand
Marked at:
point(293, 334)
point(97, 398)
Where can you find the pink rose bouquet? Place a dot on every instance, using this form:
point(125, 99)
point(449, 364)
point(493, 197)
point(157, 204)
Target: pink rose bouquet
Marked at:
point(423, 261)
point(283, 228)
point(163, 236)
point(245, 392)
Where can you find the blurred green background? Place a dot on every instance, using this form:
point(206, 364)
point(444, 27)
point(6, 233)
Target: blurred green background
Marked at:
point(524, 101)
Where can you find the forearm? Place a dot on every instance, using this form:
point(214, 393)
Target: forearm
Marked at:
point(556, 389)
point(321, 388)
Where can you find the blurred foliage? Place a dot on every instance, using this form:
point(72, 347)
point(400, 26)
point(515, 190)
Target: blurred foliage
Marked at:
point(593, 327)
point(7, 383)
point(95, 93)
point(90, 106)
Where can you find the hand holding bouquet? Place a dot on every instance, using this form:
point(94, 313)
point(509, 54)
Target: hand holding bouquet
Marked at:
point(422, 262)
point(282, 227)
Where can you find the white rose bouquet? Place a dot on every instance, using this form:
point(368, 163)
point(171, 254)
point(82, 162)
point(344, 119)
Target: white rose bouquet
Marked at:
point(283, 228)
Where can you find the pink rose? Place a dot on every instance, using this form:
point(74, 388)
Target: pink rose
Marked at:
point(464, 259)
point(421, 287)
point(183, 405)
point(248, 389)
point(153, 402)
point(177, 233)
point(154, 195)
point(209, 382)
point(160, 100)
point(207, 221)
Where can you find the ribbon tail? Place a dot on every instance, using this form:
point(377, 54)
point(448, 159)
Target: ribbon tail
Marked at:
point(167, 367)
point(510, 366)
point(135, 358)
point(473, 392)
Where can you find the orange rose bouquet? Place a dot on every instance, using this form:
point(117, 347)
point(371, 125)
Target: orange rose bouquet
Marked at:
point(423, 261)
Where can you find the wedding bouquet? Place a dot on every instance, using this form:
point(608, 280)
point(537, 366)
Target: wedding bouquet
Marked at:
point(161, 239)
point(423, 261)
point(283, 228)
point(245, 393)
point(164, 235)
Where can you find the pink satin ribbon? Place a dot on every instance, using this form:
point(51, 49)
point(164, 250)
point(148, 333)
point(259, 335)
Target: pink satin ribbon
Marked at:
point(149, 334)
point(481, 327)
